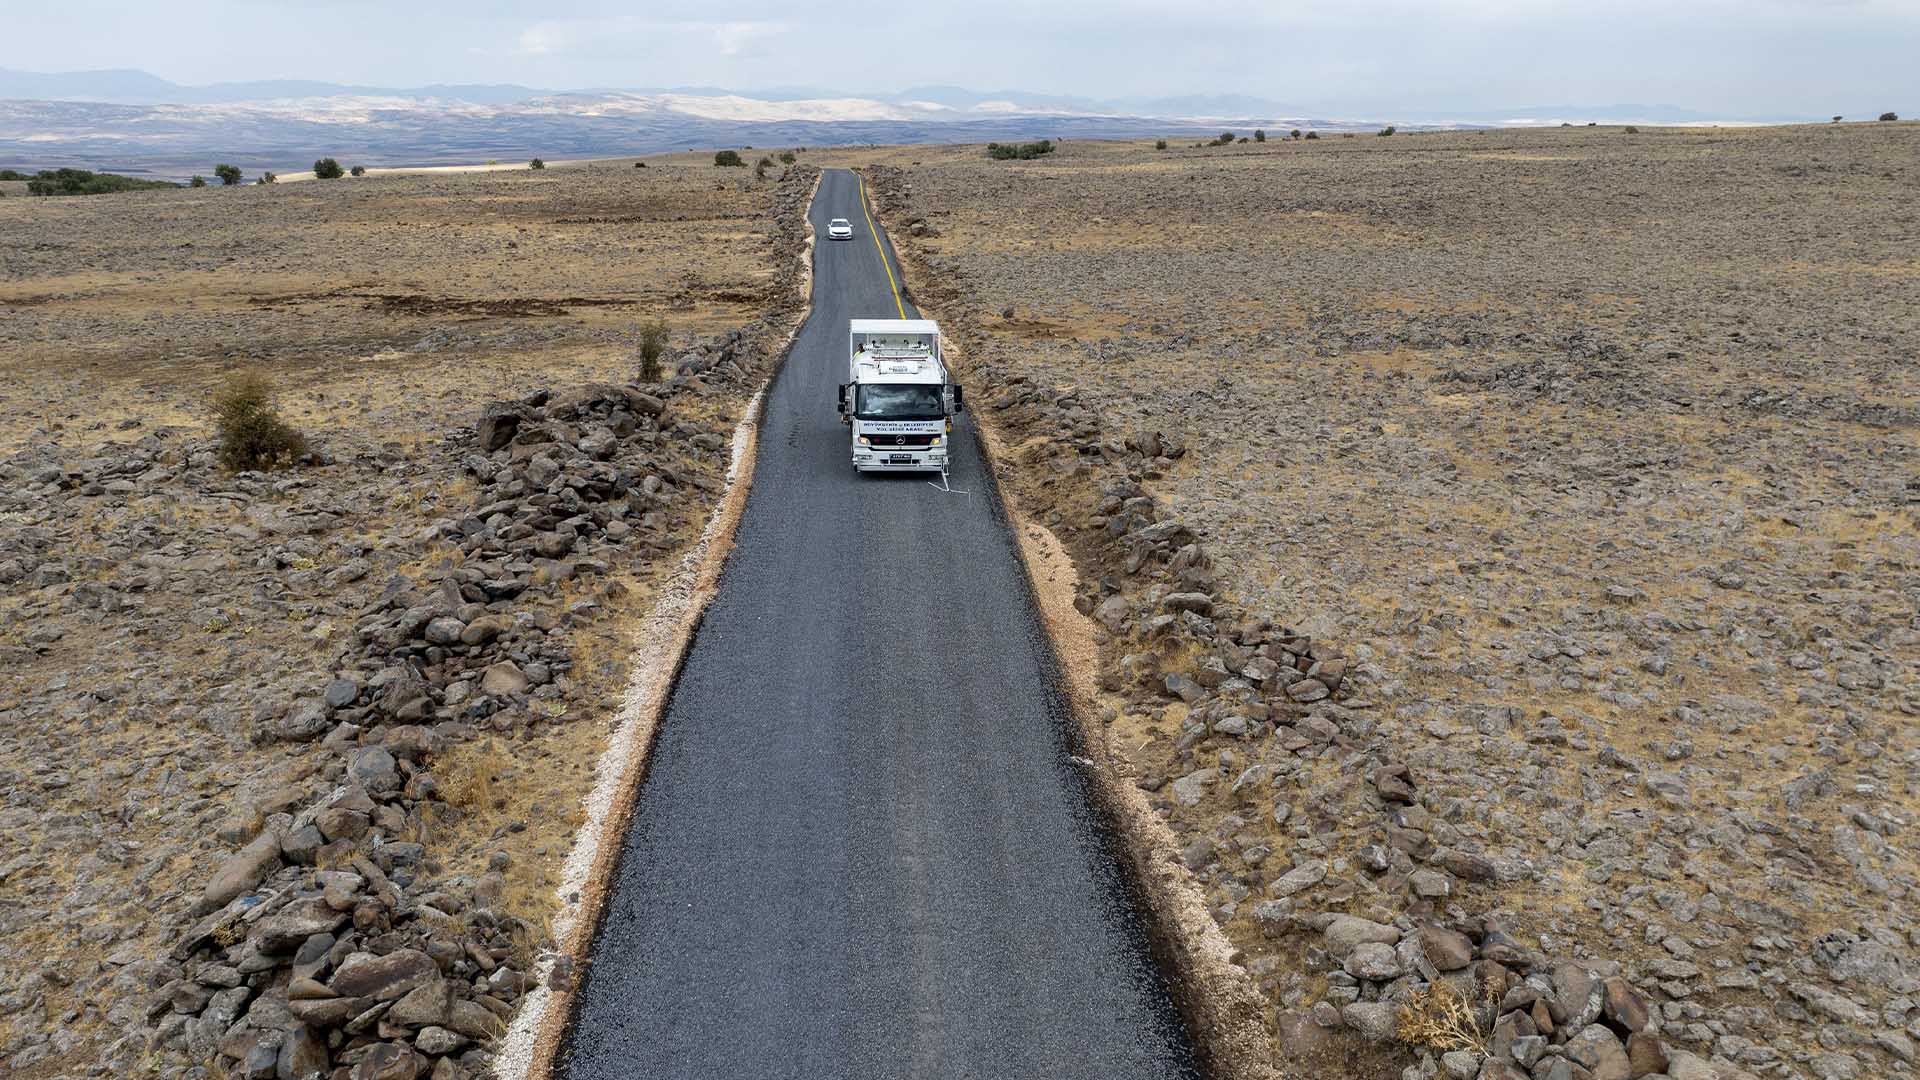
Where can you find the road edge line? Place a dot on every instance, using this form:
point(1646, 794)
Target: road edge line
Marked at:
point(531, 1045)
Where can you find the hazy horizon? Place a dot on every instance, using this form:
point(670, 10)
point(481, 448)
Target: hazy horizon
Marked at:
point(1774, 57)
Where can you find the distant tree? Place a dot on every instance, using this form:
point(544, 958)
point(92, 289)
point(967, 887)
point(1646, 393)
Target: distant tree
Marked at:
point(786, 157)
point(1019, 151)
point(729, 158)
point(13, 174)
point(1313, 134)
point(1259, 135)
point(268, 178)
point(1889, 116)
point(85, 182)
point(197, 181)
point(1388, 130)
point(228, 174)
point(639, 164)
point(1225, 138)
point(358, 170)
point(1837, 119)
point(536, 164)
point(328, 169)
point(1295, 133)
point(1160, 144)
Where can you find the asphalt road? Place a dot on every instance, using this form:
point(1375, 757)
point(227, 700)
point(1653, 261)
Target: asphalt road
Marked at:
point(860, 850)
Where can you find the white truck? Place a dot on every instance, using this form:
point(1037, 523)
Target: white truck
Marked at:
point(898, 398)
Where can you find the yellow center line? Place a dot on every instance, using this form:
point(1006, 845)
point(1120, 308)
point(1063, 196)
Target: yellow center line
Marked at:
point(875, 233)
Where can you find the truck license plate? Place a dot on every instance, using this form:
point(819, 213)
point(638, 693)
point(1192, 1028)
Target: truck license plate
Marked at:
point(900, 459)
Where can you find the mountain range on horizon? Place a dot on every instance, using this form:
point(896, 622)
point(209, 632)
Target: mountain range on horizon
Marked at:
point(138, 123)
point(135, 87)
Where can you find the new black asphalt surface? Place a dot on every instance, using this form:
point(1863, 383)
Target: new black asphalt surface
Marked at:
point(860, 849)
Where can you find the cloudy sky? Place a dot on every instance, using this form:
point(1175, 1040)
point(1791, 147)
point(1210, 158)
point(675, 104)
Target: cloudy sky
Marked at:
point(1738, 57)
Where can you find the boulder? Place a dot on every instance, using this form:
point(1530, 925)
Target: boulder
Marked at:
point(242, 870)
point(384, 978)
point(504, 679)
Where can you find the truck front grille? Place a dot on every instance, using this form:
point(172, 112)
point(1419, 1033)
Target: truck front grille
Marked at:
point(901, 440)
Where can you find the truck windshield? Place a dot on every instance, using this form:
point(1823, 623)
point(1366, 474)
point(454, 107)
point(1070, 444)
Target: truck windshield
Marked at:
point(915, 401)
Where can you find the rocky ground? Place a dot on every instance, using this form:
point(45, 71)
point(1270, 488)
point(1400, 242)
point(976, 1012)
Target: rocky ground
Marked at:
point(1507, 551)
point(289, 761)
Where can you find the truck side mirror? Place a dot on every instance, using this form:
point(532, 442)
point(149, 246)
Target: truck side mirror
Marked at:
point(843, 396)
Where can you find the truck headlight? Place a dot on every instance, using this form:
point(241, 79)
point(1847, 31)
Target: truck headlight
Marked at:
point(935, 442)
point(863, 441)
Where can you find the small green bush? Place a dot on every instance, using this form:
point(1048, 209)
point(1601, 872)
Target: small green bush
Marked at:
point(787, 158)
point(358, 170)
point(760, 167)
point(653, 342)
point(1296, 133)
point(1259, 135)
point(13, 174)
point(730, 158)
point(639, 164)
point(1889, 116)
point(197, 181)
point(229, 174)
point(252, 434)
point(1631, 130)
point(1019, 151)
point(1313, 134)
point(1160, 144)
point(83, 182)
point(536, 164)
point(1226, 138)
point(1388, 130)
point(328, 169)
point(268, 178)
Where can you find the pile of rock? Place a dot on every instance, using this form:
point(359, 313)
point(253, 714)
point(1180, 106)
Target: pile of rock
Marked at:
point(326, 944)
point(364, 967)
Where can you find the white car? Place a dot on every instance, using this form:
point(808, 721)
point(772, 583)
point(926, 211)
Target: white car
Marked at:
point(839, 229)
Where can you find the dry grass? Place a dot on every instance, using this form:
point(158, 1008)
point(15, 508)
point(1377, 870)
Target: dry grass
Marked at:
point(1439, 1018)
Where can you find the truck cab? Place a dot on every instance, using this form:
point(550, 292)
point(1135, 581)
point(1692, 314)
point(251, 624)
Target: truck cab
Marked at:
point(898, 399)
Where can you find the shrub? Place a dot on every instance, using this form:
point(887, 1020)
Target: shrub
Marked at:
point(268, 178)
point(1388, 130)
point(228, 174)
point(358, 170)
point(83, 182)
point(1259, 135)
point(328, 169)
point(639, 164)
point(1837, 119)
point(1296, 133)
point(653, 342)
point(252, 434)
point(13, 174)
point(786, 157)
point(1225, 138)
point(729, 158)
point(760, 167)
point(1019, 151)
point(197, 181)
point(1160, 144)
point(1631, 130)
point(1313, 134)
point(1440, 1018)
point(536, 164)
point(1889, 116)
